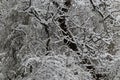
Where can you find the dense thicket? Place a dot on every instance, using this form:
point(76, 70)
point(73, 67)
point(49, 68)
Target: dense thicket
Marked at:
point(59, 39)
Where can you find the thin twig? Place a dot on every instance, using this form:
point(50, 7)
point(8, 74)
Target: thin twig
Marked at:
point(95, 8)
point(30, 3)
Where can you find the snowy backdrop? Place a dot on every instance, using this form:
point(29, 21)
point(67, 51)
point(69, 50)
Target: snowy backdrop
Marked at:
point(59, 39)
